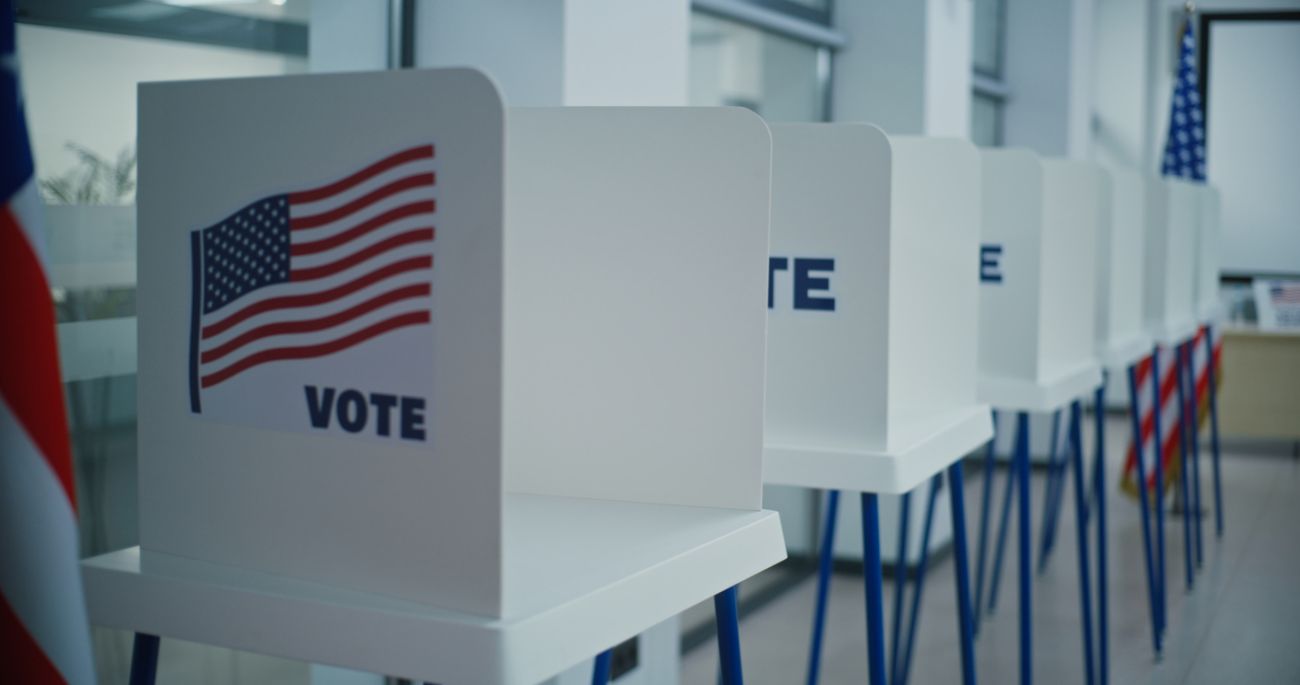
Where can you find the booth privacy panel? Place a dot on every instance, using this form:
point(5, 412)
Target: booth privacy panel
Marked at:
point(933, 290)
point(1207, 255)
point(828, 279)
point(871, 298)
point(1071, 220)
point(1010, 294)
point(341, 451)
point(1121, 335)
point(636, 240)
point(1173, 210)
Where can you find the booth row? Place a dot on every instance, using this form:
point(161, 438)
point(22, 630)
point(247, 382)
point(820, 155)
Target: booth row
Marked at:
point(445, 390)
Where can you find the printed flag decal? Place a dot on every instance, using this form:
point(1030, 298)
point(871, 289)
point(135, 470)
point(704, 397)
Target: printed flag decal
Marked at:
point(307, 275)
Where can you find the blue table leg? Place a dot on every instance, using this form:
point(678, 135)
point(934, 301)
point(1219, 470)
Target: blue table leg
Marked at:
point(1214, 431)
point(901, 584)
point(724, 611)
point(1026, 565)
point(144, 659)
point(1081, 526)
point(1103, 567)
point(1158, 444)
point(985, 501)
point(600, 670)
point(1052, 494)
point(899, 673)
point(965, 610)
point(1193, 447)
point(823, 584)
point(1004, 520)
point(1135, 413)
point(1184, 428)
point(872, 584)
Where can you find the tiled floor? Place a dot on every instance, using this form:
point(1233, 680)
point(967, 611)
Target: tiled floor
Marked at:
point(1239, 624)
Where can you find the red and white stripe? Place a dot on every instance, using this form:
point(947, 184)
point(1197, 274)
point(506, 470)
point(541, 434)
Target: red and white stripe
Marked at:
point(361, 252)
point(1169, 415)
point(43, 623)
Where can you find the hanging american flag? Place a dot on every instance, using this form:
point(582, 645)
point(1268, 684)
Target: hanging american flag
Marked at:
point(1184, 157)
point(42, 609)
point(307, 274)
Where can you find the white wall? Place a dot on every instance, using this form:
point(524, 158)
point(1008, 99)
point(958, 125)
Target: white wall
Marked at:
point(1048, 67)
point(563, 52)
point(80, 86)
point(1135, 45)
point(1253, 149)
point(907, 66)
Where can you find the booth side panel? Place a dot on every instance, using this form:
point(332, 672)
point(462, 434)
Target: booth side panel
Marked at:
point(1070, 222)
point(827, 375)
point(1207, 261)
point(933, 291)
point(1126, 255)
point(1184, 214)
point(636, 246)
point(1158, 242)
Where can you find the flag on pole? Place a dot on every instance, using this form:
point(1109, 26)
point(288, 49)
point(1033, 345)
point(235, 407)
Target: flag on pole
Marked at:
point(42, 609)
point(1185, 158)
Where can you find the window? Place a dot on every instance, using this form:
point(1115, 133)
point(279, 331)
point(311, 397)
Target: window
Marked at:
point(80, 62)
point(985, 120)
point(737, 60)
point(988, 90)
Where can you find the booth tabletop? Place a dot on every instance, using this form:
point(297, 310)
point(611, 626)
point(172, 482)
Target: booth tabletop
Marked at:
point(581, 576)
point(1050, 395)
point(921, 454)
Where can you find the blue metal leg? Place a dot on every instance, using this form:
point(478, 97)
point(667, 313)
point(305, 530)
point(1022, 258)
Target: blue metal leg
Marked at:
point(144, 659)
point(1184, 428)
point(1214, 431)
point(823, 584)
point(965, 610)
point(1004, 519)
point(1081, 526)
point(1026, 565)
point(900, 585)
point(1103, 567)
point(871, 580)
point(1193, 446)
point(1052, 492)
point(985, 501)
point(1134, 412)
point(900, 674)
point(724, 611)
point(1158, 444)
point(600, 670)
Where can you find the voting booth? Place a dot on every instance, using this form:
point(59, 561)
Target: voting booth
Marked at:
point(1037, 340)
point(1122, 338)
point(436, 389)
point(871, 313)
point(872, 307)
point(1173, 208)
point(1207, 255)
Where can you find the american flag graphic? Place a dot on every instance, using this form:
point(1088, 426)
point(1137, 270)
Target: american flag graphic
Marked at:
point(306, 274)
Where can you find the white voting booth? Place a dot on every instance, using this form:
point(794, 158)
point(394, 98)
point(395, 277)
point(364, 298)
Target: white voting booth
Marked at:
point(1037, 348)
point(1172, 214)
point(558, 447)
point(1122, 338)
point(1207, 254)
point(872, 301)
